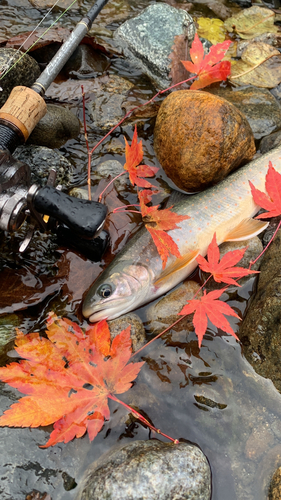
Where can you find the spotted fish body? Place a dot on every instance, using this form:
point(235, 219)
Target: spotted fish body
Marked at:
point(136, 276)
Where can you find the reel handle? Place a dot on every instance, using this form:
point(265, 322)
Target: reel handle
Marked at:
point(84, 217)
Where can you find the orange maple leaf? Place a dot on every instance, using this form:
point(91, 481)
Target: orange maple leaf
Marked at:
point(271, 203)
point(157, 222)
point(209, 69)
point(208, 306)
point(134, 155)
point(68, 378)
point(223, 271)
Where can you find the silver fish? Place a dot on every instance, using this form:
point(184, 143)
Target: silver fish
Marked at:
point(135, 276)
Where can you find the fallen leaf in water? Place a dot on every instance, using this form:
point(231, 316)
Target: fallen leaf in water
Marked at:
point(260, 65)
point(252, 22)
point(209, 307)
point(27, 39)
point(68, 378)
point(272, 201)
point(157, 222)
point(211, 29)
point(223, 271)
point(134, 155)
point(180, 52)
point(208, 68)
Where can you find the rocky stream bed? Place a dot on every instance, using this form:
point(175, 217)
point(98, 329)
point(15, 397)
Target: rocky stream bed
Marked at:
point(222, 401)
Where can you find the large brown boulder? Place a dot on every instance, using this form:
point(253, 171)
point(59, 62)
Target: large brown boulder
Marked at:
point(200, 138)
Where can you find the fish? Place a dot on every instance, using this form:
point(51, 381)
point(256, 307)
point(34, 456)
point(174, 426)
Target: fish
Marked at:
point(135, 276)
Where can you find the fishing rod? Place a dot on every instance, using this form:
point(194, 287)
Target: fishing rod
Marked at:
point(71, 217)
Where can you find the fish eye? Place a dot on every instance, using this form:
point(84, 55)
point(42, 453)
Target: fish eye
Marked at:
point(105, 290)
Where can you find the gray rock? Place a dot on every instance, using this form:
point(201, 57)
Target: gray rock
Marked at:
point(149, 469)
point(85, 62)
point(255, 247)
point(41, 160)
point(165, 311)
point(105, 108)
point(260, 332)
point(270, 142)
point(260, 107)
point(24, 73)
point(137, 329)
point(147, 39)
point(111, 168)
point(55, 128)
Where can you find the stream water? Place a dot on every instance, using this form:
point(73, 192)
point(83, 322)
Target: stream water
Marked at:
point(210, 396)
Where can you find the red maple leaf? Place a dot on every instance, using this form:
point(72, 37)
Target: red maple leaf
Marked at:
point(209, 69)
point(223, 271)
point(157, 222)
point(68, 378)
point(208, 306)
point(134, 155)
point(271, 203)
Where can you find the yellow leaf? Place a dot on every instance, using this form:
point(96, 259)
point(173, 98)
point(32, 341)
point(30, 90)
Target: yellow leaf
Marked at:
point(211, 29)
point(252, 22)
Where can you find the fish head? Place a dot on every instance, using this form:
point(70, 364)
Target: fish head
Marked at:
point(117, 292)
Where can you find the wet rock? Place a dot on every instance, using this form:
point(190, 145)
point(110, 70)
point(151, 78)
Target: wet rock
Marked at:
point(111, 168)
point(199, 139)
point(8, 324)
point(165, 311)
point(147, 39)
point(270, 142)
point(274, 492)
point(260, 332)
point(55, 128)
point(41, 160)
point(137, 329)
point(85, 63)
point(105, 108)
point(47, 4)
point(255, 247)
point(24, 73)
point(151, 470)
point(261, 109)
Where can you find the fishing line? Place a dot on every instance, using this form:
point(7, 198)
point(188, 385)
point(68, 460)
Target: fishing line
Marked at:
point(41, 36)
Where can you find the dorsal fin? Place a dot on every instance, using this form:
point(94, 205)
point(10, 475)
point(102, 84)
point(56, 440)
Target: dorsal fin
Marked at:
point(247, 229)
point(178, 265)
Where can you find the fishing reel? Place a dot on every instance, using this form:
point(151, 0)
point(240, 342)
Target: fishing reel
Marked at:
point(78, 222)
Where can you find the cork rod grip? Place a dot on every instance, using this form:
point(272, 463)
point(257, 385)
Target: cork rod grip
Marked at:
point(23, 109)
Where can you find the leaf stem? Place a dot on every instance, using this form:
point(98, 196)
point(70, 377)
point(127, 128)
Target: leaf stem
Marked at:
point(142, 419)
point(269, 243)
point(106, 187)
point(170, 326)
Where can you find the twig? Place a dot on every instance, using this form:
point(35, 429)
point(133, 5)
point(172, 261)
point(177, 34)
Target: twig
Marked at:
point(269, 243)
point(142, 419)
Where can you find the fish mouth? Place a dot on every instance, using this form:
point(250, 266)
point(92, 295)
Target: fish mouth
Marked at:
point(108, 310)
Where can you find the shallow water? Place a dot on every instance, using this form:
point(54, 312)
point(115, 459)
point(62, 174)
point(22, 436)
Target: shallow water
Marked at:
point(210, 396)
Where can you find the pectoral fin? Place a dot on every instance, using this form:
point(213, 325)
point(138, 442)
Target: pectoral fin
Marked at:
point(177, 266)
point(247, 229)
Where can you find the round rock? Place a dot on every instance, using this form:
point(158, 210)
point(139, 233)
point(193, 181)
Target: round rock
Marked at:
point(24, 73)
point(41, 160)
point(200, 138)
point(149, 469)
point(55, 128)
point(165, 311)
point(137, 331)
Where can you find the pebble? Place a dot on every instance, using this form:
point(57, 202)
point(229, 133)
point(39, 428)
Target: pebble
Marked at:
point(41, 160)
point(137, 329)
point(270, 142)
point(55, 128)
point(165, 312)
point(150, 470)
point(200, 138)
point(147, 39)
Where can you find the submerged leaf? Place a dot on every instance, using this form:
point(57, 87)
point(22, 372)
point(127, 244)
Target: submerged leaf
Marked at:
point(260, 65)
point(252, 22)
point(68, 378)
point(211, 29)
